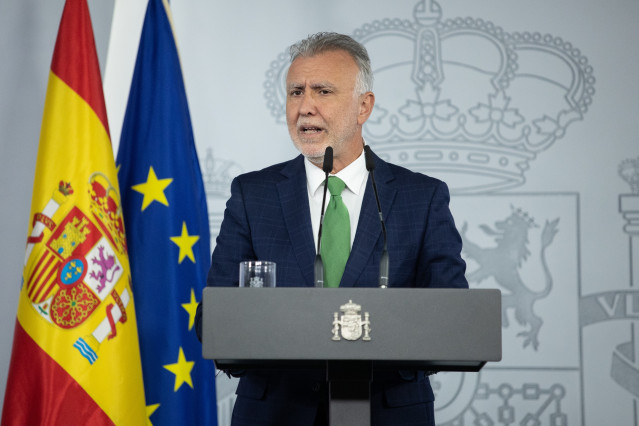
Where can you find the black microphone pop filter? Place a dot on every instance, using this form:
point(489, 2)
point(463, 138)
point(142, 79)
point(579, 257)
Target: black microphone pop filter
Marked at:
point(370, 161)
point(328, 160)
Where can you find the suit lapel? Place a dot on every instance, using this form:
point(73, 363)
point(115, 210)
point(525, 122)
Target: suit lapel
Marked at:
point(369, 229)
point(297, 217)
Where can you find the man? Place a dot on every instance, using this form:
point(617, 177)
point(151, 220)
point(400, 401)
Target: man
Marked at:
point(274, 214)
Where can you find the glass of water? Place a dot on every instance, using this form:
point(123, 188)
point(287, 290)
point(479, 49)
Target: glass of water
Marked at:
point(257, 273)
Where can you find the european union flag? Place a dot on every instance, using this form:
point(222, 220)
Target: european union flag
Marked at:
point(167, 229)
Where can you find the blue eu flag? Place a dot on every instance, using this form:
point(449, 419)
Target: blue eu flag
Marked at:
point(167, 230)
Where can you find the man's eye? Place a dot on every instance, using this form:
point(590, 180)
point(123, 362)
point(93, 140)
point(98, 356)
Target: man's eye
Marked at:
point(295, 93)
point(324, 92)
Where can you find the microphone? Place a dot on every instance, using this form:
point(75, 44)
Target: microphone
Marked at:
point(383, 261)
point(318, 266)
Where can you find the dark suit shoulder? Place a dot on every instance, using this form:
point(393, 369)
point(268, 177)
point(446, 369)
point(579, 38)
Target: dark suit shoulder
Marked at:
point(274, 173)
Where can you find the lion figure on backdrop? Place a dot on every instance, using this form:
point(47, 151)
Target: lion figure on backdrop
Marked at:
point(503, 262)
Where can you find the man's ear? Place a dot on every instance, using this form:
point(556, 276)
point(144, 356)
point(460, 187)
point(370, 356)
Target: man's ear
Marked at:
point(366, 104)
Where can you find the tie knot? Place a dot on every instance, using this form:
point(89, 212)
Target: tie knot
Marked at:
point(335, 185)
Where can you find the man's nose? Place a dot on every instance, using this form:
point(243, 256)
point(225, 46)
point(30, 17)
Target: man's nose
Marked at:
point(307, 105)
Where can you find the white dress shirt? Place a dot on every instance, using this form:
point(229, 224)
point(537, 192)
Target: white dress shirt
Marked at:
point(354, 176)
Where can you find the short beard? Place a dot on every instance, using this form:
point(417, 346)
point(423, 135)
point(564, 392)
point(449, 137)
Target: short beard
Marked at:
point(317, 158)
point(318, 161)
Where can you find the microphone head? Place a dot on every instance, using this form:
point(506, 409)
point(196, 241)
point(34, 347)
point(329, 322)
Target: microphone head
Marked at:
point(370, 161)
point(328, 160)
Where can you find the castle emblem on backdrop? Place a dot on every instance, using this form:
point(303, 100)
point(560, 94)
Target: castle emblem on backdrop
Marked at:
point(217, 175)
point(461, 99)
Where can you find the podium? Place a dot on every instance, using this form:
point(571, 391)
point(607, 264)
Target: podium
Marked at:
point(351, 333)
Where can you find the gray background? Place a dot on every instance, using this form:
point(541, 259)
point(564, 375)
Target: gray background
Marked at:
point(227, 50)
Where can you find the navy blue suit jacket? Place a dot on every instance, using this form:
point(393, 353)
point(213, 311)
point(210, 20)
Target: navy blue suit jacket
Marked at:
point(268, 218)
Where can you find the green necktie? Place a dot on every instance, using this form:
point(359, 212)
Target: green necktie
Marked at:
point(336, 234)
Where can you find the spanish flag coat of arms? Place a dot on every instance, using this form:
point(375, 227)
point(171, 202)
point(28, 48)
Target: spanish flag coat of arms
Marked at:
point(75, 357)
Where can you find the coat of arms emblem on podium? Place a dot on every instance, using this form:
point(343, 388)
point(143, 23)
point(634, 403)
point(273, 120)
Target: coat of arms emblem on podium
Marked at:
point(351, 323)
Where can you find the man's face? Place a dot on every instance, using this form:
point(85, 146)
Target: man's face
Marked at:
point(322, 108)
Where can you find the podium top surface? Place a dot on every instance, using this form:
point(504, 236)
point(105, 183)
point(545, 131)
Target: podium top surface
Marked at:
point(444, 329)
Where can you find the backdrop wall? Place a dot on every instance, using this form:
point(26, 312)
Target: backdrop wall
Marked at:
point(527, 109)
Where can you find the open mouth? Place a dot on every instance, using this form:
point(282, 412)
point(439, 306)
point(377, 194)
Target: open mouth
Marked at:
point(308, 130)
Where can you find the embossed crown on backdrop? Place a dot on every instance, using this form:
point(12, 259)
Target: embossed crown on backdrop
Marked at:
point(461, 99)
point(217, 175)
point(629, 171)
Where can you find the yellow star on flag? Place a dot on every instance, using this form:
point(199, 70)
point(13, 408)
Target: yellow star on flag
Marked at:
point(150, 409)
point(191, 307)
point(182, 370)
point(185, 242)
point(153, 189)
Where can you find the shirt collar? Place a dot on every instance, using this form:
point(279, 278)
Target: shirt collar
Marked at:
point(353, 175)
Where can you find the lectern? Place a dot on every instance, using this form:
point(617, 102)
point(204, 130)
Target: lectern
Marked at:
point(350, 333)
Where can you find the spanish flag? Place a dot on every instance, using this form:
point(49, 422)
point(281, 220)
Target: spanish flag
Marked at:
point(75, 357)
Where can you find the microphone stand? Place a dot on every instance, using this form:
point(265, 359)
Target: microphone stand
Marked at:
point(383, 261)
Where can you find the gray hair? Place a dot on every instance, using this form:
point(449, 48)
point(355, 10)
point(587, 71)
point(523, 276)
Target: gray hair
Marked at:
point(325, 42)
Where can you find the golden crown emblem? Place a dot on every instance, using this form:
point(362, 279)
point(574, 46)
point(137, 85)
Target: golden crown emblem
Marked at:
point(105, 206)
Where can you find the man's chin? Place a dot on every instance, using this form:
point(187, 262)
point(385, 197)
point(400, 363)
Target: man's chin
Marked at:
point(314, 152)
point(318, 161)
